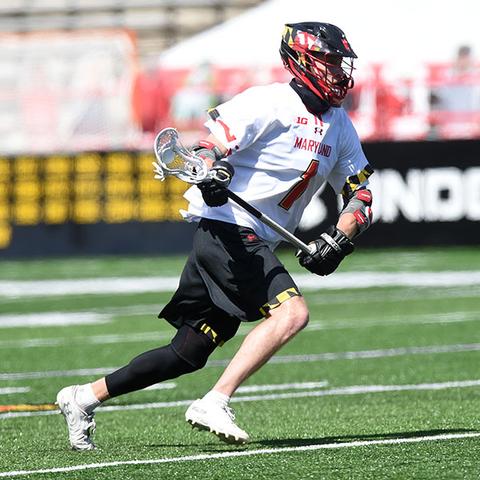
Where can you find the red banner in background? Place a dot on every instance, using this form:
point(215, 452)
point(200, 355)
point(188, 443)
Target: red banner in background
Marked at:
point(440, 103)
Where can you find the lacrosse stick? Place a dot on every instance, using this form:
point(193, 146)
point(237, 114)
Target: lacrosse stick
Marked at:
point(174, 159)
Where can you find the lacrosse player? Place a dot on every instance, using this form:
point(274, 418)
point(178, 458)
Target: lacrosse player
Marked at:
point(275, 146)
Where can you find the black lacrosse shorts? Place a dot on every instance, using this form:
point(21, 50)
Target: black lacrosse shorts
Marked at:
point(231, 276)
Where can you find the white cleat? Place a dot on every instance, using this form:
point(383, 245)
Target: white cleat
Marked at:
point(80, 424)
point(219, 420)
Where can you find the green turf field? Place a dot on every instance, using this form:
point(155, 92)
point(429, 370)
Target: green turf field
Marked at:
point(384, 383)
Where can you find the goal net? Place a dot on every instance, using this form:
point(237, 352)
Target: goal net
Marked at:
point(67, 91)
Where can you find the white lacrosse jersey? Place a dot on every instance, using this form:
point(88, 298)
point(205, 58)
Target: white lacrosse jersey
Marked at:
point(282, 154)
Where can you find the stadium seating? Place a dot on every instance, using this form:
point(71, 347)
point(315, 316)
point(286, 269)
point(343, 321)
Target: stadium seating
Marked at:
point(157, 23)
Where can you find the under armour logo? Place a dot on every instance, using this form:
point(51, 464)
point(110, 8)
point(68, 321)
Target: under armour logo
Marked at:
point(319, 130)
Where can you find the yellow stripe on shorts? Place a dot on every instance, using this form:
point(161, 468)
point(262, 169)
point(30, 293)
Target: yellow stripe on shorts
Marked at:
point(211, 333)
point(279, 299)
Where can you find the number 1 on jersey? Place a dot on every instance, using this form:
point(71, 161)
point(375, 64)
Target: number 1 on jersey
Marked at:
point(299, 188)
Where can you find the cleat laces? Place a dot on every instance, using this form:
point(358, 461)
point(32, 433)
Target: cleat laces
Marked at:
point(231, 414)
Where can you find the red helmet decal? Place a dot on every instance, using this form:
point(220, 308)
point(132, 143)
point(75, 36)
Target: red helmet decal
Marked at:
point(304, 41)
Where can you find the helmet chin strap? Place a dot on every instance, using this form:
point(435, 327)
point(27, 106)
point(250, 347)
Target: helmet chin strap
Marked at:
point(347, 83)
point(313, 103)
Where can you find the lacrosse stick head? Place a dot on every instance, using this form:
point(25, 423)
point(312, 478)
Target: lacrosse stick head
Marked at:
point(174, 159)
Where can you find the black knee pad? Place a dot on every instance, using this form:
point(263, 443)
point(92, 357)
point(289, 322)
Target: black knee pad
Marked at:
point(193, 346)
point(150, 367)
point(158, 364)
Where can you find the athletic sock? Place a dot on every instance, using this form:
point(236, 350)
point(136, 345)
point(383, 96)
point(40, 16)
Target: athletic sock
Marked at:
point(86, 399)
point(217, 397)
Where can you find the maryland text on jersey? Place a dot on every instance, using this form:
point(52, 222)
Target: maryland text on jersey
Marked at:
point(313, 146)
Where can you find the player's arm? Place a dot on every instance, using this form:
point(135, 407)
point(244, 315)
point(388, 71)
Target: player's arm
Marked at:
point(210, 149)
point(356, 216)
point(347, 224)
point(336, 243)
point(214, 188)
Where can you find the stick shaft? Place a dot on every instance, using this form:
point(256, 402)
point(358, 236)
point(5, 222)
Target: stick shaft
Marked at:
point(289, 237)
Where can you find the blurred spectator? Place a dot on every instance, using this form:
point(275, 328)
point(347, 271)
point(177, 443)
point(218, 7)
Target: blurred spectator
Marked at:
point(455, 98)
point(464, 62)
point(461, 92)
point(196, 96)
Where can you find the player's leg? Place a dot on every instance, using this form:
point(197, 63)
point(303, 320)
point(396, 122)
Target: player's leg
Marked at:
point(282, 324)
point(188, 352)
point(212, 411)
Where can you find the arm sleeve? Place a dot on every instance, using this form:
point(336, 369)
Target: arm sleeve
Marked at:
point(352, 168)
point(239, 122)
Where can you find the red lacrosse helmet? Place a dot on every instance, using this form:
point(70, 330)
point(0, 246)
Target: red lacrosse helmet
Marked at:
point(319, 55)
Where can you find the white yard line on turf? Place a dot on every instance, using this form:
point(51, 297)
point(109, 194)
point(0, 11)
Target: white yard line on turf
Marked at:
point(395, 320)
point(42, 288)
point(52, 319)
point(246, 453)
point(398, 295)
point(386, 321)
point(354, 355)
point(304, 358)
point(281, 386)
point(348, 390)
point(87, 340)
point(388, 279)
point(81, 372)
point(82, 317)
point(254, 388)
point(162, 386)
point(10, 390)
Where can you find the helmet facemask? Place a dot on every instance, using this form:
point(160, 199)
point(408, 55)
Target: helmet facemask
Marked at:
point(332, 73)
